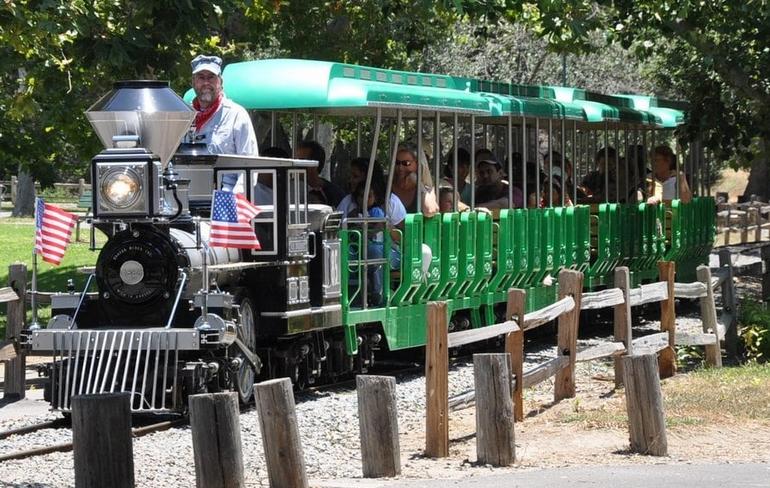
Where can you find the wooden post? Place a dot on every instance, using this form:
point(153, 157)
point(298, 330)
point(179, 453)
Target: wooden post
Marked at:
point(570, 284)
point(644, 404)
point(766, 273)
point(14, 188)
point(81, 187)
point(216, 436)
point(101, 440)
point(280, 434)
point(622, 319)
point(758, 224)
point(495, 442)
point(514, 346)
point(729, 305)
point(378, 423)
point(15, 369)
point(437, 382)
point(667, 355)
point(708, 313)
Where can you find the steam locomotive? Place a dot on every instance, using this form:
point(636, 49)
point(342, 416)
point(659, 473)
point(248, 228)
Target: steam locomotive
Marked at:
point(172, 316)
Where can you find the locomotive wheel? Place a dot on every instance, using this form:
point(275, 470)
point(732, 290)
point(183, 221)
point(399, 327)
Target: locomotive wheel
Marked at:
point(245, 376)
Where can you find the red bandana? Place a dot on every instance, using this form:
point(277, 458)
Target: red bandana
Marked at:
point(204, 115)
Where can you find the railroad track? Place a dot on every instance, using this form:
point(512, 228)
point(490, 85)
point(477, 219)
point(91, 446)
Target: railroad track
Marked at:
point(67, 446)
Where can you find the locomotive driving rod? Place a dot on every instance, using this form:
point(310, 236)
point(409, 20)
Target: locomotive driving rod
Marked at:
point(250, 356)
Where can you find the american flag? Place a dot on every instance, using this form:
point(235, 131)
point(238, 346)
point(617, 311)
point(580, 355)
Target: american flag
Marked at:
point(231, 215)
point(53, 228)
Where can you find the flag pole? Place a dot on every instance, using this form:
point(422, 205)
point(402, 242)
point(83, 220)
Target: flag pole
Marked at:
point(34, 324)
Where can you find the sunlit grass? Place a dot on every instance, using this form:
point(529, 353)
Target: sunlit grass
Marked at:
point(16, 242)
point(702, 397)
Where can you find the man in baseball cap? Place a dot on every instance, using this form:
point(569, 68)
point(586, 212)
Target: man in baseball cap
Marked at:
point(491, 187)
point(223, 125)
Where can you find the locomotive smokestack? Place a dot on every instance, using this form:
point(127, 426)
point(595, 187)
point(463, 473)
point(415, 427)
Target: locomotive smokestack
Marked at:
point(148, 113)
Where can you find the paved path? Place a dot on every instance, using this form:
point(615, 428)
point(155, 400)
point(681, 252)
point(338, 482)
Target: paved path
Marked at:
point(638, 476)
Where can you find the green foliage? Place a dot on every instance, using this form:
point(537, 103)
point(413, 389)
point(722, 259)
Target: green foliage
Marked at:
point(689, 357)
point(506, 51)
point(59, 57)
point(755, 330)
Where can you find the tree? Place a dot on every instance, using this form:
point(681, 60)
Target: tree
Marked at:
point(714, 53)
point(58, 57)
point(502, 50)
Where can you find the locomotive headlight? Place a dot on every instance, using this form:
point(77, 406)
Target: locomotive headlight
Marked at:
point(121, 188)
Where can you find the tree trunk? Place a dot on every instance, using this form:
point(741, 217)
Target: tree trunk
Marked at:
point(25, 195)
point(759, 178)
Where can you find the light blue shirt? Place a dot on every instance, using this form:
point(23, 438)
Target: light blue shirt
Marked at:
point(229, 131)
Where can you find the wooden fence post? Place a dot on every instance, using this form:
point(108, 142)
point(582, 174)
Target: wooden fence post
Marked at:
point(280, 434)
point(514, 346)
point(495, 439)
point(729, 305)
point(216, 436)
point(708, 313)
point(622, 320)
point(667, 358)
point(766, 273)
point(101, 440)
point(15, 369)
point(437, 382)
point(570, 284)
point(378, 423)
point(644, 404)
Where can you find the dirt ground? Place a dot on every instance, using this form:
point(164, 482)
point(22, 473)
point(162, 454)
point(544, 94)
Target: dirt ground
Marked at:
point(564, 434)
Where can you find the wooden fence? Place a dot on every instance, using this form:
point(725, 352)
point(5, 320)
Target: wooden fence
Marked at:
point(742, 223)
point(572, 300)
point(10, 188)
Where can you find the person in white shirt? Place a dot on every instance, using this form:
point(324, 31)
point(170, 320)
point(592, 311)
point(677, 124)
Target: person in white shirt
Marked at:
point(664, 178)
point(223, 125)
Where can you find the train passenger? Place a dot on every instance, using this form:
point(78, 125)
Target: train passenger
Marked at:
point(463, 170)
point(223, 125)
point(405, 185)
point(319, 190)
point(665, 177)
point(445, 202)
point(554, 187)
point(595, 181)
point(492, 189)
point(352, 206)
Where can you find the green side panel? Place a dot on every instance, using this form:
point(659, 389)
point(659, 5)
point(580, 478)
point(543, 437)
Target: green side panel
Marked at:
point(484, 258)
point(546, 245)
point(450, 255)
point(432, 238)
point(411, 260)
point(520, 243)
point(582, 237)
point(504, 252)
point(406, 326)
point(602, 249)
point(534, 242)
point(570, 238)
point(466, 265)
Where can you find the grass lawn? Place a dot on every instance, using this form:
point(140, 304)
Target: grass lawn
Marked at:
point(18, 236)
point(712, 396)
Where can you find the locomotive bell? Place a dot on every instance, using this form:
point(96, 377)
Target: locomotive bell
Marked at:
point(144, 114)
